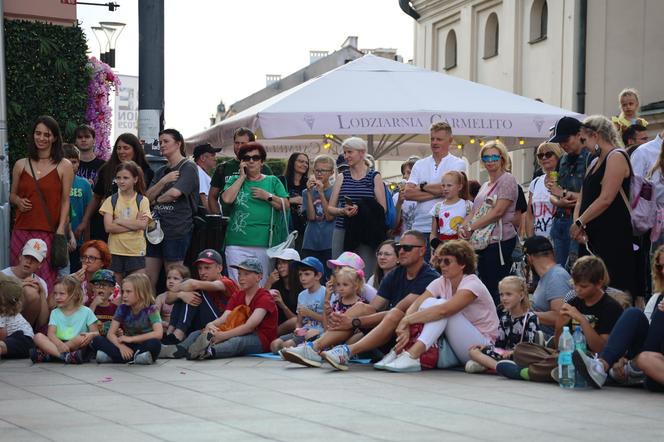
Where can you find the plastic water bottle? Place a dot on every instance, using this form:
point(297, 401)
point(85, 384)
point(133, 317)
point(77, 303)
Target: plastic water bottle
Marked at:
point(565, 365)
point(580, 344)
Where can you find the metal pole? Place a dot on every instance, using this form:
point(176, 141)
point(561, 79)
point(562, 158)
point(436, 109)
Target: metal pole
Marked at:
point(5, 207)
point(151, 75)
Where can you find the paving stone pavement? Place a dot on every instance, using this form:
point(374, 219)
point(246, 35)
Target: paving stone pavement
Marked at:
point(248, 399)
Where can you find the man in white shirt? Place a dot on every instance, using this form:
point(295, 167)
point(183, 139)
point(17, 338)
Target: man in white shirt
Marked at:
point(205, 157)
point(424, 185)
point(645, 156)
point(35, 292)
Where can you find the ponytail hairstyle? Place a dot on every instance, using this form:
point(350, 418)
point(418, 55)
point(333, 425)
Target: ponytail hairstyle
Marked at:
point(519, 285)
point(462, 179)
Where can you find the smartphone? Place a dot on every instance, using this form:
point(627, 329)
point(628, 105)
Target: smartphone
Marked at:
point(245, 170)
point(348, 201)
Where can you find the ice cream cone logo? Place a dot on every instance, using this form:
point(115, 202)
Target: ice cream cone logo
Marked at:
point(310, 120)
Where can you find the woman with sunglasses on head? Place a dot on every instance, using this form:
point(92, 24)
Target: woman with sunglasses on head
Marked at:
point(602, 222)
point(174, 196)
point(539, 215)
point(500, 193)
point(257, 220)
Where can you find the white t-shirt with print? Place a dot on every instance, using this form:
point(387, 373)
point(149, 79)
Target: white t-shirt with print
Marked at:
point(543, 209)
point(426, 171)
point(450, 217)
point(204, 181)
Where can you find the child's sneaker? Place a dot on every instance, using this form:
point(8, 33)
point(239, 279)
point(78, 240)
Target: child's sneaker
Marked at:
point(303, 355)
point(172, 352)
point(38, 356)
point(509, 369)
point(103, 358)
point(474, 367)
point(633, 376)
point(198, 348)
point(74, 357)
point(391, 356)
point(144, 358)
point(591, 369)
point(338, 357)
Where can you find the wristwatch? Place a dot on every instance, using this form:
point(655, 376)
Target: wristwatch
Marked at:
point(422, 185)
point(580, 224)
point(269, 197)
point(356, 323)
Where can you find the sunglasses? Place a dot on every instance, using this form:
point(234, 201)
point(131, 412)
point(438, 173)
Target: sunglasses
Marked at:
point(250, 158)
point(405, 247)
point(322, 170)
point(543, 155)
point(490, 158)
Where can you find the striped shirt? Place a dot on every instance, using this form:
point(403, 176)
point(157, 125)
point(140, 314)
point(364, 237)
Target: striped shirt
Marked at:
point(355, 190)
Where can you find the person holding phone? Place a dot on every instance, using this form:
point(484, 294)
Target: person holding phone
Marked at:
point(357, 182)
point(256, 221)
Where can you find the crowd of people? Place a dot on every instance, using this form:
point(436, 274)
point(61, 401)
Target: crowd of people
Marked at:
point(444, 272)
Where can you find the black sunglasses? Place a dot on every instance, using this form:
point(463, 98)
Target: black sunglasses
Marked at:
point(251, 158)
point(547, 155)
point(405, 247)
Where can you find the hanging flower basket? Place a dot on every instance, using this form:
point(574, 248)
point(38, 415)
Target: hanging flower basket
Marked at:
point(98, 112)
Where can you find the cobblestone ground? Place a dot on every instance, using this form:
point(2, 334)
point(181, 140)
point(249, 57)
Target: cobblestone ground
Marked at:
point(246, 399)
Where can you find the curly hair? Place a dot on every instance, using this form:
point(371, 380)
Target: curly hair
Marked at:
point(103, 250)
point(463, 252)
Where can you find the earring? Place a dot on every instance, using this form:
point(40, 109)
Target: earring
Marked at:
point(597, 149)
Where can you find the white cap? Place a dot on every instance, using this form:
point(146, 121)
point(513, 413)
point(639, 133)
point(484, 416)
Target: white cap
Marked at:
point(286, 255)
point(36, 248)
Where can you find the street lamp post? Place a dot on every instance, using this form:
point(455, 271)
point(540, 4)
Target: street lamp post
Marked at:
point(107, 34)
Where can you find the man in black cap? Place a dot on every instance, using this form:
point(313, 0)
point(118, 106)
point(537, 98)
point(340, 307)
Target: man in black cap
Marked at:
point(205, 157)
point(566, 189)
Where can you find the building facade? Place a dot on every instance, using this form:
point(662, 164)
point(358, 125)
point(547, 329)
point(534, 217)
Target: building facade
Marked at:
point(576, 54)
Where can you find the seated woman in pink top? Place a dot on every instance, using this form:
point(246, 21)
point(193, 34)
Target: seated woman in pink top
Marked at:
point(456, 305)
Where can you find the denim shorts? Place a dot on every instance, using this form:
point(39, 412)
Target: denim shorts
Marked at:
point(170, 250)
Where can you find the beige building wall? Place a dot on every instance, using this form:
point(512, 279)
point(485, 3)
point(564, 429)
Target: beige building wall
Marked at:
point(50, 11)
point(625, 48)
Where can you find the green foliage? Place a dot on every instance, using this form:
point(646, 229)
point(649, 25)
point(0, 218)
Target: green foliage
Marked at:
point(46, 75)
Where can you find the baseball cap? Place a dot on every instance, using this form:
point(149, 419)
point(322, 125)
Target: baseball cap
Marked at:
point(347, 259)
point(36, 248)
point(209, 256)
point(537, 244)
point(205, 148)
point(103, 275)
point(564, 128)
point(312, 263)
point(250, 265)
point(285, 255)
point(341, 163)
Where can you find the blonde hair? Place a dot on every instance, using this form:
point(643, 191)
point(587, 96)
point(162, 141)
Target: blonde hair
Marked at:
point(441, 125)
point(603, 127)
point(352, 275)
point(324, 158)
point(354, 143)
point(73, 289)
point(657, 277)
point(142, 287)
point(460, 178)
point(519, 285)
point(11, 296)
point(502, 150)
point(629, 91)
point(553, 147)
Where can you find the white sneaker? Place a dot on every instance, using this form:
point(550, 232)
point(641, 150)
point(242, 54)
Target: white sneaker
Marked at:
point(391, 356)
point(591, 369)
point(103, 358)
point(303, 354)
point(404, 363)
point(474, 367)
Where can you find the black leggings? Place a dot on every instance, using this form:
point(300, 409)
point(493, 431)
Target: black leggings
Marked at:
point(101, 343)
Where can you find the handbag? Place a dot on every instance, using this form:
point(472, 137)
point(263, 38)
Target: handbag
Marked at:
point(276, 250)
point(59, 246)
point(481, 238)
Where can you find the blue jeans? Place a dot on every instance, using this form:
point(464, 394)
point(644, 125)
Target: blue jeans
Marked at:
point(170, 250)
point(237, 346)
point(563, 245)
point(489, 268)
point(102, 343)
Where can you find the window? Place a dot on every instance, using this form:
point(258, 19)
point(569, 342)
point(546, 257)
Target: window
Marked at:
point(491, 36)
point(539, 17)
point(450, 50)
